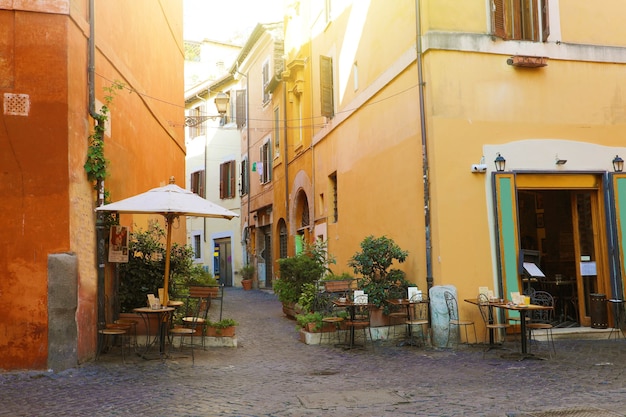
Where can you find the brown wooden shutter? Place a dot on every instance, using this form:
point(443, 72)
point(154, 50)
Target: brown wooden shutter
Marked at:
point(223, 172)
point(201, 183)
point(545, 21)
point(241, 108)
point(233, 183)
point(497, 18)
point(326, 86)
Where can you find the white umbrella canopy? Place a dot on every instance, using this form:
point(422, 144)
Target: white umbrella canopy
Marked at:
point(171, 201)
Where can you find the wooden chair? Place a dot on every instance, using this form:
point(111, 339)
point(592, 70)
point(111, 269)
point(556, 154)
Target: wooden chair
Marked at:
point(542, 320)
point(454, 320)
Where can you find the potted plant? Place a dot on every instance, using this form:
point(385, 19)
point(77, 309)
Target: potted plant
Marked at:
point(222, 328)
point(295, 272)
point(343, 282)
point(310, 322)
point(373, 263)
point(201, 283)
point(247, 275)
point(143, 273)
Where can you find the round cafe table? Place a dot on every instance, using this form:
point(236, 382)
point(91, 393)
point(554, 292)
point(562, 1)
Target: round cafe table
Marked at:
point(163, 318)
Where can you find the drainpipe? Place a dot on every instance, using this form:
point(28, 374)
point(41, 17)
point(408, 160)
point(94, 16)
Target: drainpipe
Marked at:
point(100, 229)
point(249, 160)
point(418, 36)
point(285, 152)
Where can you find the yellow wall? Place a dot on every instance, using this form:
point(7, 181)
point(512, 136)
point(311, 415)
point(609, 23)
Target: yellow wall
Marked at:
point(592, 23)
point(476, 105)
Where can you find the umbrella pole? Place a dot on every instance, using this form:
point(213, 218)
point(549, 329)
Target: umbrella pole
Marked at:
point(166, 281)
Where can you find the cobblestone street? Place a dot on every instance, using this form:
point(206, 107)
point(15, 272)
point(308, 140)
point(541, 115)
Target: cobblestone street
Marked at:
point(272, 373)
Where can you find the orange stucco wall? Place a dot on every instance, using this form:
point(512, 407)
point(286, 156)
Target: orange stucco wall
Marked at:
point(47, 201)
point(34, 187)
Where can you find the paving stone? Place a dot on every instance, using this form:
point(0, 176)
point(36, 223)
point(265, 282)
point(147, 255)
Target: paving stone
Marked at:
point(272, 373)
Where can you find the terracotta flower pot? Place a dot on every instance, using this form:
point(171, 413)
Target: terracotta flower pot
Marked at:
point(247, 284)
point(338, 286)
point(216, 332)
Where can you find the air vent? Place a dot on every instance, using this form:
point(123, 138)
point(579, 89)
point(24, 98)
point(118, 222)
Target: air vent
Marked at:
point(16, 104)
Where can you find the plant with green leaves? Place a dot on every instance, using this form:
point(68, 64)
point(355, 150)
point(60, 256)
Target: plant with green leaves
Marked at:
point(247, 271)
point(143, 273)
point(305, 319)
point(307, 296)
point(294, 272)
point(199, 277)
point(222, 324)
point(374, 263)
point(96, 164)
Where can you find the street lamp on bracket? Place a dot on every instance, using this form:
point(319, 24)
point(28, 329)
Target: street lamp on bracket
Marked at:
point(221, 102)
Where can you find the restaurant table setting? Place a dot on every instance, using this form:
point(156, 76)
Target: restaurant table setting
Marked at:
point(414, 296)
point(359, 301)
point(163, 314)
point(521, 304)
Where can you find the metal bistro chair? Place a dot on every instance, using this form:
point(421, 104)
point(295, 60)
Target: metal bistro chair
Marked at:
point(191, 321)
point(418, 317)
point(334, 320)
point(454, 320)
point(542, 319)
point(491, 324)
point(197, 313)
point(359, 320)
point(617, 304)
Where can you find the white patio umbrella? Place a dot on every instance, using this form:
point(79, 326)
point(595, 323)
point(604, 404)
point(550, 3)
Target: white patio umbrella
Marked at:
point(171, 201)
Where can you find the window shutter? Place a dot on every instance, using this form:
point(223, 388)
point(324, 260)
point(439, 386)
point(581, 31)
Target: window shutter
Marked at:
point(241, 109)
point(223, 172)
point(545, 21)
point(233, 184)
point(201, 182)
point(326, 86)
point(262, 159)
point(497, 18)
point(244, 177)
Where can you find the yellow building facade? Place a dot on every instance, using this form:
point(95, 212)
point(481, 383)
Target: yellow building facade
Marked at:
point(395, 113)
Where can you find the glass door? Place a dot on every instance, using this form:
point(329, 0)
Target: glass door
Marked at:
point(584, 205)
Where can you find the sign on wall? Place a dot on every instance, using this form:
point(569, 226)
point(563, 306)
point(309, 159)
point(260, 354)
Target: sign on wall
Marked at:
point(118, 244)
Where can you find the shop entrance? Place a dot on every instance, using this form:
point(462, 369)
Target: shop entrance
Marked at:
point(562, 227)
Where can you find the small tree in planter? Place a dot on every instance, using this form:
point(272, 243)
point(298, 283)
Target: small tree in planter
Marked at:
point(247, 275)
point(374, 263)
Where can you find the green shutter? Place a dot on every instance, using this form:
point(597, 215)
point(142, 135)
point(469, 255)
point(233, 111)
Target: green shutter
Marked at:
point(507, 229)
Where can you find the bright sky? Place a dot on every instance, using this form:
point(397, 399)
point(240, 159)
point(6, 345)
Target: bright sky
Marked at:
point(223, 19)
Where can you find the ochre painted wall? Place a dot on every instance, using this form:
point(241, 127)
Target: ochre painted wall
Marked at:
point(48, 203)
point(34, 188)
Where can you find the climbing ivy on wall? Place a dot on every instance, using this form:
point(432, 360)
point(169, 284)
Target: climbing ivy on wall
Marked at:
point(96, 164)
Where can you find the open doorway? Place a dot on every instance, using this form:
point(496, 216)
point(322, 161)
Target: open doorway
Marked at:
point(562, 226)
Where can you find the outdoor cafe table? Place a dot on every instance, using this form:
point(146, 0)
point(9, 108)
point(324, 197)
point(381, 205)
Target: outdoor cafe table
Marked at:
point(163, 317)
point(351, 307)
point(522, 309)
point(407, 303)
point(474, 301)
